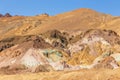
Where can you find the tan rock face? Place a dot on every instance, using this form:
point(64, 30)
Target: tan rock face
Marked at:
point(109, 63)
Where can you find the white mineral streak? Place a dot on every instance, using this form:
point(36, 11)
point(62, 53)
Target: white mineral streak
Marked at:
point(28, 60)
point(116, 56)
point(94, 39)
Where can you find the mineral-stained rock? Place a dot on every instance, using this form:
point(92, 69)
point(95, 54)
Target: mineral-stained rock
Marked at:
point(54, 51)
point(108, 62)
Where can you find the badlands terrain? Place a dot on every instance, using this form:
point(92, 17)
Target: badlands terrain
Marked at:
point(79, 45)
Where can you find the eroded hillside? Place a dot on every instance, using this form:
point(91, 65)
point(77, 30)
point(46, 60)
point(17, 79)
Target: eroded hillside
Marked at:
point(73, 43)
point(57, 50)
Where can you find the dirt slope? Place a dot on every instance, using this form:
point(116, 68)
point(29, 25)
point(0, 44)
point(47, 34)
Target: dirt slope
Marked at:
point(80, 19)
point(101, 74)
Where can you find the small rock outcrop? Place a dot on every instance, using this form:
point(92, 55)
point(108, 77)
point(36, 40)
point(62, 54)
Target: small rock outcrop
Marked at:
point(6, 15)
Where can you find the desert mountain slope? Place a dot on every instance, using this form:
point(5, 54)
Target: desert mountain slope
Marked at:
point(80, 39)
point(81, 19)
